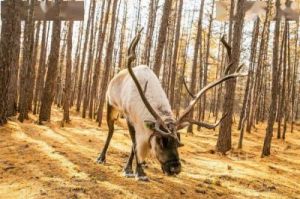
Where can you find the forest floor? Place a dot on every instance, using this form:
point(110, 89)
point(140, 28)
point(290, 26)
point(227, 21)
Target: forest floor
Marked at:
point(60, 162)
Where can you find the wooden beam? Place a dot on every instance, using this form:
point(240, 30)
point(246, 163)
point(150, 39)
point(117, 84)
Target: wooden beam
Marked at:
point(68, 11)
point(257, 8)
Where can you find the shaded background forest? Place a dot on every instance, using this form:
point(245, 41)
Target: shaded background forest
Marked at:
point(54, 75)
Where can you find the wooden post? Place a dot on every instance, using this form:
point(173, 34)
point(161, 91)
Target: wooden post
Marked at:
point(46, 11)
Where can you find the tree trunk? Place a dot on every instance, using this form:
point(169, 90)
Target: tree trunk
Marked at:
point(41, 69)
point(198, 44)
point(9, 53)
point(205, 71)
point(34, 63)
point(107, 63)
point(174, 60)
point(153, 5)
point(68, 82)
point(90, 61)
point(162, 36)
point(96, 75)
point(76, 65)
point(10, 34)
point(266, 151)
point(82, 64)
point(224, 138)
point(26, 76)
point(49, 90)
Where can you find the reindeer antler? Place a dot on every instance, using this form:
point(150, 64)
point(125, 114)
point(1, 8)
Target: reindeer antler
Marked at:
point(131, 58)
point(187, 89)
point(209, 86)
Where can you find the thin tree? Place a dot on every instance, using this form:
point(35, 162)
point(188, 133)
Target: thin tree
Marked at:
point(266, 151)
point(96, 75)
point(89, 64)
point(198, 46)
point(153, 6)
point(68, 83)
point(76, 64)
point(27, 68)
point(41, 69)
point(108, 61)
point(82, 64)
point(175, 54)
point(34, 64)
point(162, 36)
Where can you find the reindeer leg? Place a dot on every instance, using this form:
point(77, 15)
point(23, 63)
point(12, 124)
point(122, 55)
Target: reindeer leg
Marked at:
point(128, 172)
point(110, 122)
point(140, 174)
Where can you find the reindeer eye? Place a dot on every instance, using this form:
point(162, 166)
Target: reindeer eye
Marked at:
point(165, 142)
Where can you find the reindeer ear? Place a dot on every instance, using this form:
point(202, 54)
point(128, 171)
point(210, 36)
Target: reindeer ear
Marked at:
point(149, 124)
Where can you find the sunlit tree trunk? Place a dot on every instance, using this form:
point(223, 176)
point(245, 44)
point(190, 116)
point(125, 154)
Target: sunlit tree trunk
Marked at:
point(175, 53)
point(224, 138)
point(266, 151)
point(41, 69)
point(162, 36)
point(198, 45)
point(27, 67)
point(68, 79)
point(83, 59)
point(107, 62)
point(90, 61)
point(96, 76)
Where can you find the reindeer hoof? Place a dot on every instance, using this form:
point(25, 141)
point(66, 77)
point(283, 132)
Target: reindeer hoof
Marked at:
point(142, 178)
point(129, 174)
point(144, 165)
point(101, 160)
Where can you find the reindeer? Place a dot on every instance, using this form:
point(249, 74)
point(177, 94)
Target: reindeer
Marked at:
point(151, 123)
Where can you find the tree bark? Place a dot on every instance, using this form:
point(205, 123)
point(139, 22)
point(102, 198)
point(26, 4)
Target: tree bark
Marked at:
point(162, 37)
point(90, 61)
point(68, 83)
point(198, 46)
point(153, 5)
point(107, 63)
point(10, 31)
point(82, 64)
point(175, 53)
point(28, 69)
point(96, 75)
point(41, 69)
point(224, 138)
point(49, 90)
point(266, 151)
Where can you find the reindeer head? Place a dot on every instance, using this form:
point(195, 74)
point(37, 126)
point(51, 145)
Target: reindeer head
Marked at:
point(165, 138)
point(164, 143)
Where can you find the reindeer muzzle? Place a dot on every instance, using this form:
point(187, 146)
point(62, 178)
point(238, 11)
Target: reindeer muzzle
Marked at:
point(172, 167)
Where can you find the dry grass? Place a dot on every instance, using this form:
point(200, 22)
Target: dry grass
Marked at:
point(54, 162)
